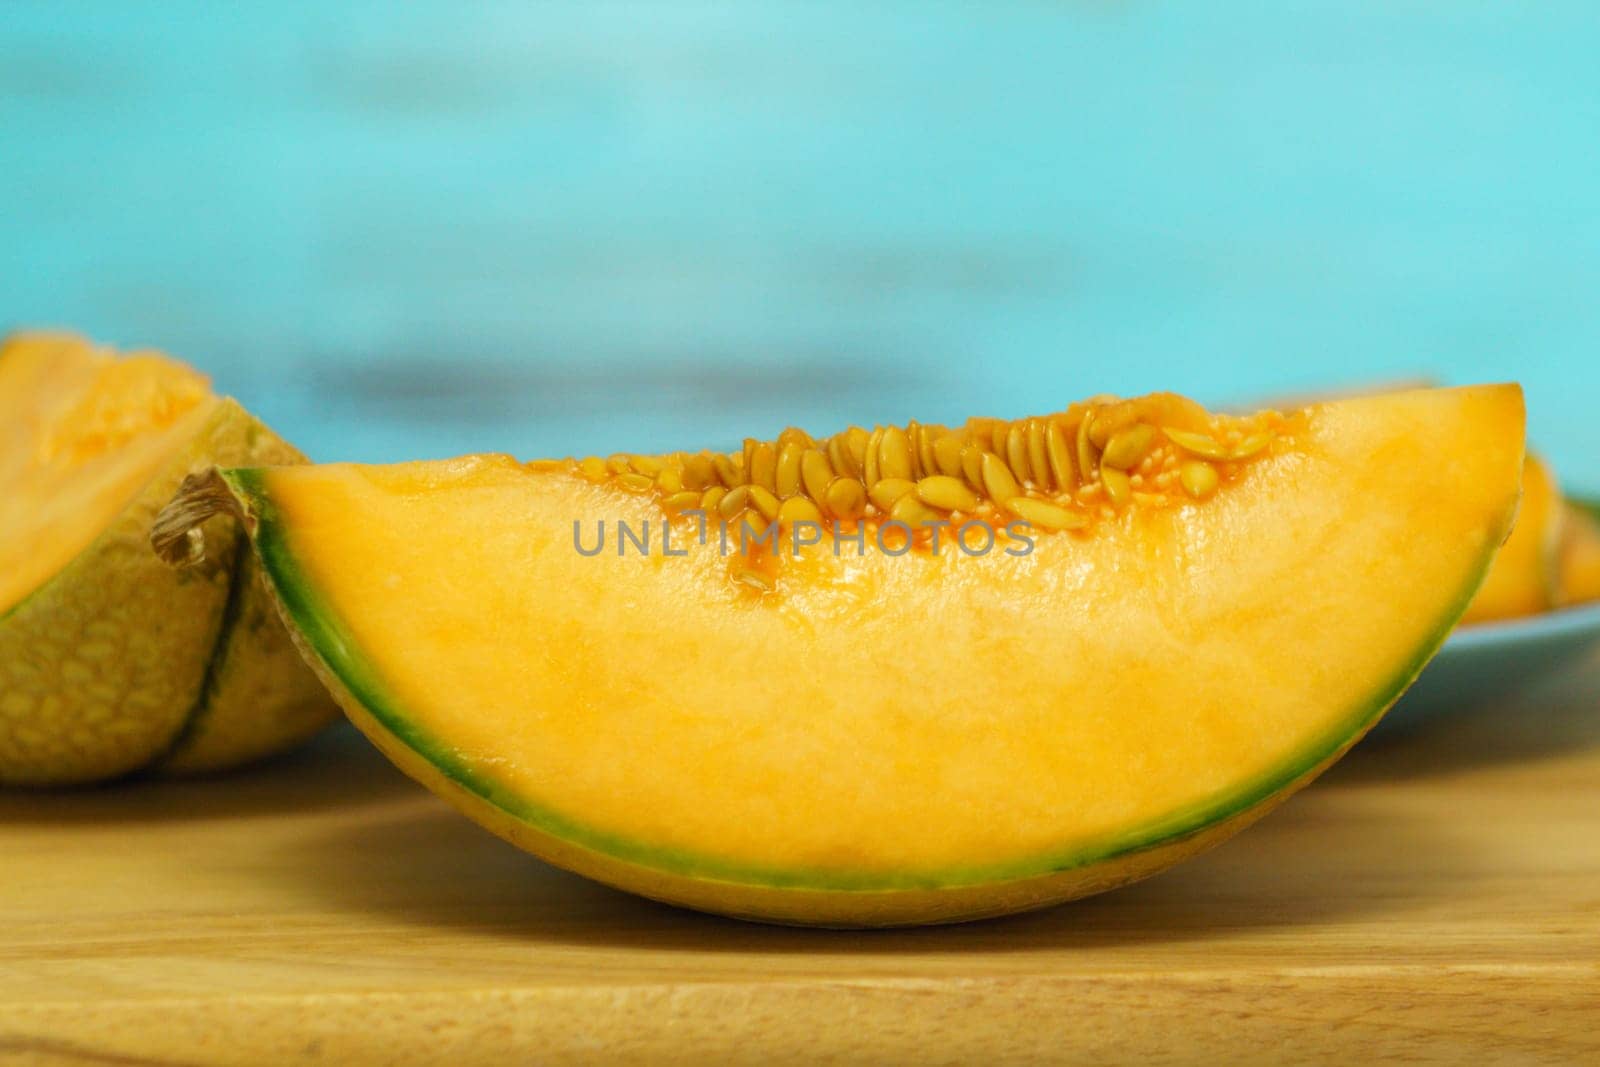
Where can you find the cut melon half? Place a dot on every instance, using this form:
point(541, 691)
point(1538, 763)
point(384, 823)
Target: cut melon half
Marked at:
point(111, 662)
point(1185, 617)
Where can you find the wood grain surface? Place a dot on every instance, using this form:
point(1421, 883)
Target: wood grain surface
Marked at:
point(1434, 898)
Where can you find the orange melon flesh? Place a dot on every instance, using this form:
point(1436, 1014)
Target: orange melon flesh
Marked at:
point(1580, 556)
point(110, 662)
point(81, 432)
point(1525, 575)
point(892, 739)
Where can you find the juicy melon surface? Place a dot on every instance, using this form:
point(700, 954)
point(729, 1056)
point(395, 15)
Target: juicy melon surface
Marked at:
point(883, 723)
point(81, 432)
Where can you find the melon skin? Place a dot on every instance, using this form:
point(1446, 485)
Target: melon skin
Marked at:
point(260, 698)
point(102, 665)
point(119, 664)
point(811, 895)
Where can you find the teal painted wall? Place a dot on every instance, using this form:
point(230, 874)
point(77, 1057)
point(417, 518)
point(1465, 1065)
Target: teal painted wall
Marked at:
point(427, 228)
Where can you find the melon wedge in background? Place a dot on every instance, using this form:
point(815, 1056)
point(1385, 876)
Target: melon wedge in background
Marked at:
point(1551, 560)
point(1526, 576)
point(1183, 619)
point(1579, 566)
point(111, 662)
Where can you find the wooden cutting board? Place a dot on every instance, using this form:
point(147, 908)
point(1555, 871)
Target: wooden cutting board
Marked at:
point(1432, 898)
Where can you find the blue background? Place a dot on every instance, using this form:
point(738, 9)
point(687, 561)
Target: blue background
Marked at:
point(419, 229)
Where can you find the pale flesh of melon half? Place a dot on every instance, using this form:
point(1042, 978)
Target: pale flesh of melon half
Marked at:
point(110, 661)
point(890, 740)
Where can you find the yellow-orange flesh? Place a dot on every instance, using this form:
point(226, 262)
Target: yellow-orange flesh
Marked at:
point(1169, 656)
point(1580, 557)
point(1524, 578)
point(81, 431)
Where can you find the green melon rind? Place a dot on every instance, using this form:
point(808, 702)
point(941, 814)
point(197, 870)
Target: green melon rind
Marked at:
point(327, 636)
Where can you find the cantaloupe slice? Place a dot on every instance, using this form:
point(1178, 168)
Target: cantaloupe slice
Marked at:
point(1580, 555)
point(1211, 611)
point(1526, 571)
point(110, 662)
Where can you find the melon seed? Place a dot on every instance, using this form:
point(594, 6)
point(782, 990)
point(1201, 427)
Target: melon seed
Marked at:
point(1038, 462)
point(727, 470)
point(894, 454)
point(787, 475)
point(997, 479)
point(1119, 487)
point(764, 467)
point(1055, 447)
point(637, 483)
point(886, 491)
point(733, 503)
point(649, 466)
point(765, 501)
point(1086, 463)
point(682, 501)
point(799, 509)
point(1199, 478)
point(926, 439)
point(795, 435)
point(1126, 447)
point(1110, 418)
point(1017, 451)
point(913, 512)
point(855, 443)
point(846, 498)
point(947, 455)
point(1250, 446)
point(839, 457)
point(698, 473)
point(972, 465)
point(1197, 444)
point(1047, 516)
point(943, 491)
point(815, 473)
point(870, 468)
point(670, 480)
